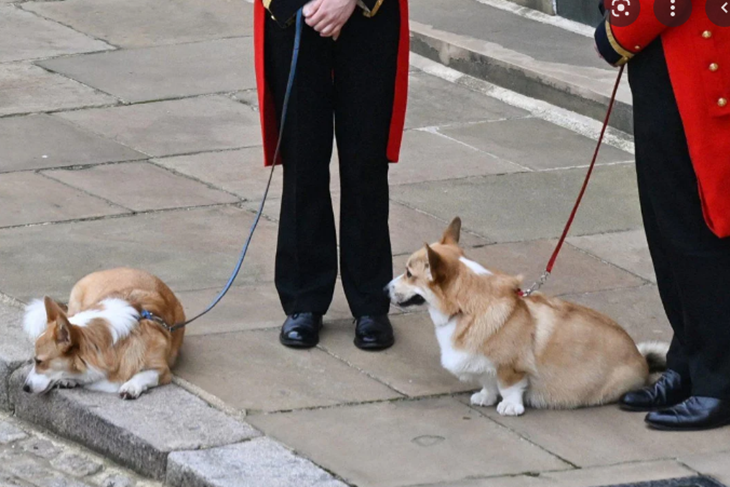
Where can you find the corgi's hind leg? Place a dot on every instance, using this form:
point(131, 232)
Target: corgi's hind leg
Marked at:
point(489, 394)
point(512, 386)
point(141, 381)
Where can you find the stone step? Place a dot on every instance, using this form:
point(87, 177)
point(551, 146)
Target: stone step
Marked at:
point(531, 53)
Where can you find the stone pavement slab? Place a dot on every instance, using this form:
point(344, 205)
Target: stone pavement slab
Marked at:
point(41, 141)
point(605, 436)
point(428, 155)
point(141, 186)
point(248, 307)
point(534, 143)
point(259, 462)
point(25, 36)
point(241, 172)
point(524, 206)
point(627, 250)
point(175, 127)
point(574, 271)
point(435, 102)
point(251, 370)
point(627, 473)
point(192, 249)
point(406, 442)
point(28, 88)
point(138, 23)
point(161, 72)
point(412, 366)
point(638, 310)
point(139, 434)
point(32, 198)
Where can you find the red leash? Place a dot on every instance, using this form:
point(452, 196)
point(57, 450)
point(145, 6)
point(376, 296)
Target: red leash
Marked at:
point(548, 270)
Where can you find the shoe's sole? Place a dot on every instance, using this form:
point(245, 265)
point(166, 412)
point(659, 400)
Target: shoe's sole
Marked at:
point(296, 344)
point(661, 427)
point(370, 347)
point(633, 409)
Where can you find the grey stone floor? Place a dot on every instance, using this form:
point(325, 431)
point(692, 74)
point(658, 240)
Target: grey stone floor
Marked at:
point(29, 457)
point(129, 136)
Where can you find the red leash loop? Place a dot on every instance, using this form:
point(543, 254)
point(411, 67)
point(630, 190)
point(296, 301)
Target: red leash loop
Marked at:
point(551, 263)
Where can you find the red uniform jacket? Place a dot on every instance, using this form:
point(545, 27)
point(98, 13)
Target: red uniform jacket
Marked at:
point(269, 125)
point(698, 58)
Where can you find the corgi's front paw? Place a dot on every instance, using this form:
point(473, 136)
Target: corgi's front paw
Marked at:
point(510, 409)
point(130, 390)
point(484, 398)
point(67, 384)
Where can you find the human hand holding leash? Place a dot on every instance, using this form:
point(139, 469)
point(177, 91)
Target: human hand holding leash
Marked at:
point(328, 16)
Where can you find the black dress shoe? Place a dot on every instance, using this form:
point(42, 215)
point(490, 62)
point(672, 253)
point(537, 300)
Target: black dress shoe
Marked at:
point(668, 391)
point(373, 333)
point(694, 414)
point(301, 330)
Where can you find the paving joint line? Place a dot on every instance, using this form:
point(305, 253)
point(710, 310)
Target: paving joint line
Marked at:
point(123, 215)
point(83, 191)
point(207, 184)
point(493, 156)
point(523, 437)
point(611, 264)
point(76, 167)
point(361, 371)
point(453, 395)
point(68, 26)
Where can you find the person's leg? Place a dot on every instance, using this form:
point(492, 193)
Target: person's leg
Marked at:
point(306, 256)
point(365, 71)
point(695, 285)
point(699, 261)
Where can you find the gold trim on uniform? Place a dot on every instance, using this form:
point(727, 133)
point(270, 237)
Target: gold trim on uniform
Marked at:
point(627, 55)
point(370, 12)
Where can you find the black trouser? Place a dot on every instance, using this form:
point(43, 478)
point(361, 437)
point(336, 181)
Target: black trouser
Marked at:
point(692, 264)
point(346, 87)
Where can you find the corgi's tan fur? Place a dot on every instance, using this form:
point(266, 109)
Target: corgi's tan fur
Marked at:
point(99, 340)
point(538, 350)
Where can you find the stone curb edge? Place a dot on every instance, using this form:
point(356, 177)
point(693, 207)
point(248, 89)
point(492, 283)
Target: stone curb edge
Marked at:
point(168, 434)
point(456, 53)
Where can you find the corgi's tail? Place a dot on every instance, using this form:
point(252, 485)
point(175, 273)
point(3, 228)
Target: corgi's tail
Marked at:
point(655, 354)
point(35, 319)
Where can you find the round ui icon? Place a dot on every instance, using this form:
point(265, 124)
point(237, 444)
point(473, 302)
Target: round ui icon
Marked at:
point(673, 13)
point(622, 13)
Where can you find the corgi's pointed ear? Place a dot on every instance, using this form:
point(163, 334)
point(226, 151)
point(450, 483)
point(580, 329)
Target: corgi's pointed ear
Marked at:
point(437, 265)
point(52, 309)
point(452, 233)
point(62, 330)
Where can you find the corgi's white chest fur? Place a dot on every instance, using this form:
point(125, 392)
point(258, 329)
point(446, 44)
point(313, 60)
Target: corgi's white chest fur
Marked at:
point(465, 365)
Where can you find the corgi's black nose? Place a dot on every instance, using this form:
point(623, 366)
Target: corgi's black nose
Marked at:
point(26, 388)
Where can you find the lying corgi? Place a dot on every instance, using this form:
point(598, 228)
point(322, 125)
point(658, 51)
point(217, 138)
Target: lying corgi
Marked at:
point(112, 337)
point(536, 350)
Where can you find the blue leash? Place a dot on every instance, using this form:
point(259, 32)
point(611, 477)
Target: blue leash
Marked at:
point(236, 270)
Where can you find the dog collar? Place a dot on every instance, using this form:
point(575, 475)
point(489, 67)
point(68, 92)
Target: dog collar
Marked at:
point(146, 315)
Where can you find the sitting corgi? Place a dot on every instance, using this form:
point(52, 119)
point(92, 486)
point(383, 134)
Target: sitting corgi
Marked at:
point(113, 337)
point(536, 350)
